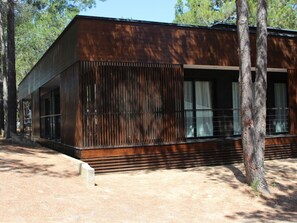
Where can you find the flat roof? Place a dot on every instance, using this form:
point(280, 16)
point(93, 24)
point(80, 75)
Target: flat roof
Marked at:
point(223, 27)
point(218, 26)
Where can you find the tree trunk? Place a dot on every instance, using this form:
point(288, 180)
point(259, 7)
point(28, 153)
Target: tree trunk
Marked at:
point(1, 67)
point(247, 134)
point(12, 97)
point(253, 118)
point(260, 96)
point(5, 75)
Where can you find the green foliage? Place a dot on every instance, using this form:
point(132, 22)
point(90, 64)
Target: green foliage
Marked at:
point(255, 186)
point(38, 24)
point(281, 13)
point(204, 12)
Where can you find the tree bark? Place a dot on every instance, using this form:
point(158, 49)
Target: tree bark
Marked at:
point(5, 75)
point(1, 66)
point(260, 96)
point(247, 134)
point(253, 117)
point(12, 98)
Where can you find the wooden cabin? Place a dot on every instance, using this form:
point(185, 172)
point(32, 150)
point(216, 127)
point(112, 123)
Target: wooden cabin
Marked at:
point(130, 95)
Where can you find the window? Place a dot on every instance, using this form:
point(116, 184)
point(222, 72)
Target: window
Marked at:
point(277, 116)
point(281, 111)
point(189, 106)
point(50, 115)
point(198, 108)
point(236, 109)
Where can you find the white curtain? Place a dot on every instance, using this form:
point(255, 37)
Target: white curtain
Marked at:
point(280, 100)
point(236, 109)
point(204, 117)
point(188, 105)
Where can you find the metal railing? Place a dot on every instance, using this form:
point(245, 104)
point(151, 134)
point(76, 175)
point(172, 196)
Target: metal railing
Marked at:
point(140, 128)
point(227, 122)
point(50, 126)
point(277, 121)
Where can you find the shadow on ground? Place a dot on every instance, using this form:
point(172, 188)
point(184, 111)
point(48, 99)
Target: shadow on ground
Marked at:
point(282, 206)
point(29, 161)
point(279, 208)
point(282, 179)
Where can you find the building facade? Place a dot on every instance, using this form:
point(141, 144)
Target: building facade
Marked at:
point(125, 95)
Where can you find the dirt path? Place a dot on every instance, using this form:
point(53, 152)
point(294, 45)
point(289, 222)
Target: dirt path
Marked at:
point(40, 185)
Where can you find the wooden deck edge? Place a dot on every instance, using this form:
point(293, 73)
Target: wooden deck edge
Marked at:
point(179, 156)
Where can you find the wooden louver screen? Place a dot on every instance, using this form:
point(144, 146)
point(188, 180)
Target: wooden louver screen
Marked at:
point(131, 103)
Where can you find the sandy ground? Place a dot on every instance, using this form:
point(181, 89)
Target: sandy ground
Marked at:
point(40, 185)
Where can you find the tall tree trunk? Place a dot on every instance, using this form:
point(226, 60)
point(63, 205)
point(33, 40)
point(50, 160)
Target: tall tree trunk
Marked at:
point(1, 66)
point(260, 95)
point(253, 118)
point(247, 135)
point(5, 75)
point(12, 97)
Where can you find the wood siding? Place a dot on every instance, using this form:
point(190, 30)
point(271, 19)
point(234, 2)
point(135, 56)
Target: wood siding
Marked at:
point(131, 103)
point(101, 40)
point(61, 55)
point(71, 116)
point(122, 92)
point(186, 155)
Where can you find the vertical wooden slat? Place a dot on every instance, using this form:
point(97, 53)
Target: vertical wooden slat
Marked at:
point(131, 103)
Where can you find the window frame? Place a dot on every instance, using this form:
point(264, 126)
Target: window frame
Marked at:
point(193, 80)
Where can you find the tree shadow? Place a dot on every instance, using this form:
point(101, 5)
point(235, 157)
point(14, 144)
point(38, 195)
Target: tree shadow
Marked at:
point(29, 161)
point(237, 173)
point(281, 206)
point(8, 147)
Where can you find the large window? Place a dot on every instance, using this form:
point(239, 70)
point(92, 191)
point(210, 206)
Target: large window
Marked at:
point(281, 108)
point(50, 115)
point(236, 109)
point(198, 108)
point(277, 112)
point(212, 103)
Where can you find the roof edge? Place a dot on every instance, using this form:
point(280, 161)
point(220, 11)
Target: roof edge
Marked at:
point(221, 27)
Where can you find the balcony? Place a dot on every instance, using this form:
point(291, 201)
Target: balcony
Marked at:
point(203, 123)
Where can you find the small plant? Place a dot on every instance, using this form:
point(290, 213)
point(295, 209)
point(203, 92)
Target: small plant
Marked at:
point(274, 184)
point(255, 186)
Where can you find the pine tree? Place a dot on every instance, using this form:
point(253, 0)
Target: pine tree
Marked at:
point(253, 118)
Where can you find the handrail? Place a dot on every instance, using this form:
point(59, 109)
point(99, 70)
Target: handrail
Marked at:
point(48, 116)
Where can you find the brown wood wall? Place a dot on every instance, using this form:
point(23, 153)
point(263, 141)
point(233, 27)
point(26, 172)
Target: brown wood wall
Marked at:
point(184, 155)
point(110, 40)
point(71, 116)
point(131, 103)
point(35, 114)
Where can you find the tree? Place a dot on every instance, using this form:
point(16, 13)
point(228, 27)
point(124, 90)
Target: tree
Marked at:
point(282, 14)
point(3, 101)
point(253, 118)
point(8, 62)
point(38, 24)
point(11, 74)
point(261, 93)
point(204, 12)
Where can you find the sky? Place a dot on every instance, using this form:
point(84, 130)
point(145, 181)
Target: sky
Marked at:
point(147, 10)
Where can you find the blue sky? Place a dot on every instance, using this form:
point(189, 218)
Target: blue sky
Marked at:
point(148, 10)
